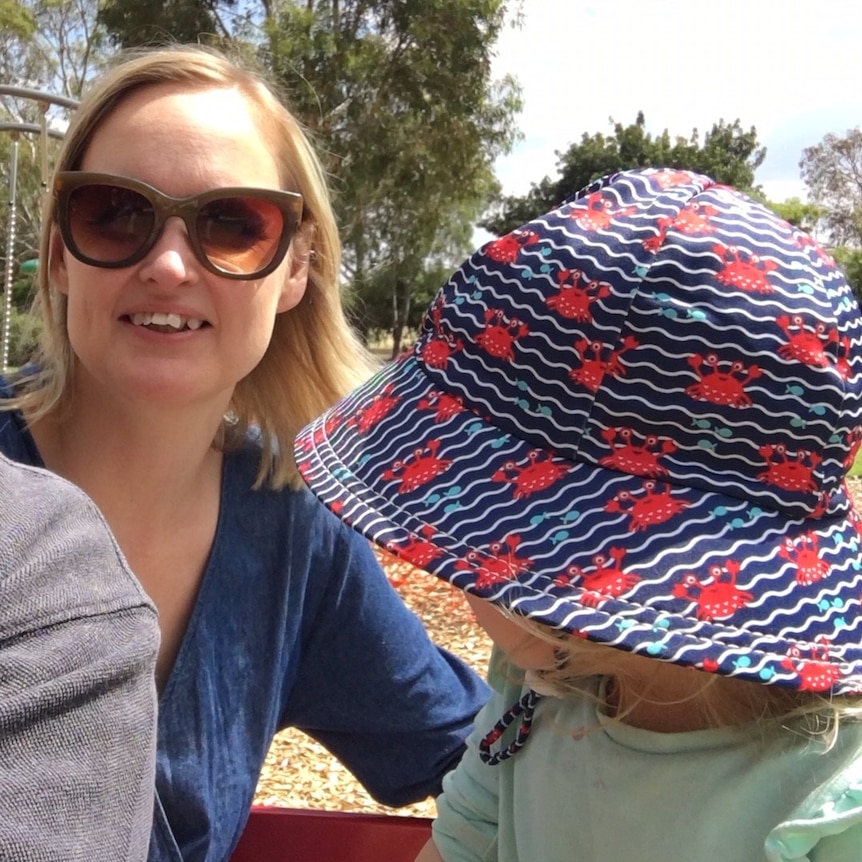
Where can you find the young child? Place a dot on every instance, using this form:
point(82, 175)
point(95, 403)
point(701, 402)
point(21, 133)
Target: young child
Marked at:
point(624, 432)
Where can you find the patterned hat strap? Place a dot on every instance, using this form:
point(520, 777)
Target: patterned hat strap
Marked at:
point(526, 706)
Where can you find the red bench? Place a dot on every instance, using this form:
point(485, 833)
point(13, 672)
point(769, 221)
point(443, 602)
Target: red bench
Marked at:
point(298, 835)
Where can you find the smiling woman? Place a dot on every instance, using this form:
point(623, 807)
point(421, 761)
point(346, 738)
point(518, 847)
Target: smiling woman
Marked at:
point(193, 324)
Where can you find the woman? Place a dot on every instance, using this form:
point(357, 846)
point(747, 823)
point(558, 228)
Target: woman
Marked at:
point(192, 325)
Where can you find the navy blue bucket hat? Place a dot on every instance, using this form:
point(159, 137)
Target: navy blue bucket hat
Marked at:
point(630, 420)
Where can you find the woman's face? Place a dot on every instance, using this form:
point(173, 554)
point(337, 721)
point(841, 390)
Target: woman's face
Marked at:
point(183, 142)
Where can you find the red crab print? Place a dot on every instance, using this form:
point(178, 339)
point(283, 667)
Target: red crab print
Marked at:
point(716, 597)
point(606, 581)
point(418, 551)
point(416, 470)
point(599, 212)
point(695, 218)
point(669, 177)
point(803, 553)
point(367, 417)
point(506, 248)
point(320, 433)
point(445, 405)
point(501, 562)
point(539, 474)
point(648, 509)
point(842, 362)
point(805, 241)
point(806, 344)
point(790, 473)
point(435, 352)
point(574, 299)
point(593, 368)
point(818, 673)
point(749, 275)
point(654, 243)
point(721, 387)
point(637, 459)
point(500, 334)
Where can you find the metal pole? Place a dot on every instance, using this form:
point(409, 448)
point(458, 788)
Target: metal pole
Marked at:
point(10, 248)
point(37, 95)
point(44, 100)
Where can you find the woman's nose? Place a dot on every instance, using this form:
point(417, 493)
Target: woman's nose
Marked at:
point(172, 258)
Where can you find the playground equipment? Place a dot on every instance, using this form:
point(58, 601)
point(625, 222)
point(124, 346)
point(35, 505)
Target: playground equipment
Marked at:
point(45, 100)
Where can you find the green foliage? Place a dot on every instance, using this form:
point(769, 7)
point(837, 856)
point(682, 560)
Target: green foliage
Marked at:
point(154, 22)
point(728, 154)
point(832, 170)
point(377, 305)
point(850, 261)
point(801, 214)
point(399, 98)
point(16, 19)
point(24, 330)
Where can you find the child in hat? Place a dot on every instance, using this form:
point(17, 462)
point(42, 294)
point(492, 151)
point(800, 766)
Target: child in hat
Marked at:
point(624, 433)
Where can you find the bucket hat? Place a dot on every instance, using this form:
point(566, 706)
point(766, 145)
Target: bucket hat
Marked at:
point(630, 420)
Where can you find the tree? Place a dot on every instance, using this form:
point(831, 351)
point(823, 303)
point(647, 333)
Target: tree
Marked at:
point(832, 170)
point(802, 214)
point(399, 98)
point(154, 22)
point(728, 154)
point(850, 261)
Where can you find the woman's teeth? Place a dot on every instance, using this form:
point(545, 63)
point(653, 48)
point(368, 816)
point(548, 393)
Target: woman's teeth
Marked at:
point(166, 322)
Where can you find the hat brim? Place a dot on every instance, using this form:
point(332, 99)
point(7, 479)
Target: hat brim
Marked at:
point(680, 574)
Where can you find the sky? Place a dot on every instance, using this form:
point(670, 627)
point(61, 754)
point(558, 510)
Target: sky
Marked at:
point(791, 68)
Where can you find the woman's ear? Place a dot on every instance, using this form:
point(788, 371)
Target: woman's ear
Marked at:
point(299, 262)
point(59, 274)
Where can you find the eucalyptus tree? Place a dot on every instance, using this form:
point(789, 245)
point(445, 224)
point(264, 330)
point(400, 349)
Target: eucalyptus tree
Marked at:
point(400, 98)
point(832, 171)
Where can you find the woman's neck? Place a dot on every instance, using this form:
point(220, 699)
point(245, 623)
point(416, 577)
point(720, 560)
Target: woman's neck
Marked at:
point(131, 459)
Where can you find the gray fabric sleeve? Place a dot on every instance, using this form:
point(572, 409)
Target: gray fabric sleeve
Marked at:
point(78, 642)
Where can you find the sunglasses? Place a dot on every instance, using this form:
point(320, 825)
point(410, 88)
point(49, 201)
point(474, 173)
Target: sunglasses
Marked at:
point(112, 222)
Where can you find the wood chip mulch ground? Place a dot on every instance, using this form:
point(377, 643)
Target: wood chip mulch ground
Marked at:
point(300, 773)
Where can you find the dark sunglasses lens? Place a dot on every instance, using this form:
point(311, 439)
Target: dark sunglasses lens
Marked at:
point(240, 234)
point(107, 223)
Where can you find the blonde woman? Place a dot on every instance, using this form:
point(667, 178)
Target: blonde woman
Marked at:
point(192, 325)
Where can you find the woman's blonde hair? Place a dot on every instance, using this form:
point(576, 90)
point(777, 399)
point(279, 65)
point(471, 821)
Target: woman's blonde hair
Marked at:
point(314, 357)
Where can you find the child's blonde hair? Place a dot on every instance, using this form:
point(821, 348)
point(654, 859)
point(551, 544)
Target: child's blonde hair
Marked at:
point(719, 701)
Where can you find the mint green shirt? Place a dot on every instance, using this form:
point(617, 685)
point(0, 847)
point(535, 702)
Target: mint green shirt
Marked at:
point(585, 789)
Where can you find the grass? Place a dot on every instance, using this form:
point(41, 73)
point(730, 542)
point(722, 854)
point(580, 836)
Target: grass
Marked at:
point(856, 469)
